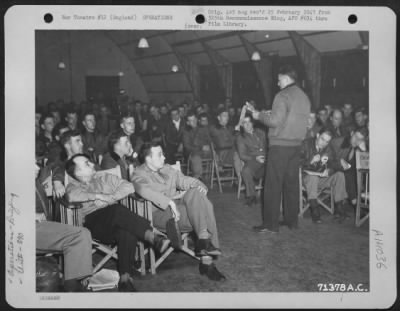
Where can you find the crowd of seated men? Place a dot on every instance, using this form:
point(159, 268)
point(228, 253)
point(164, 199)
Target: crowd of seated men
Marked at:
point(144, 140)
point(75, 145)
point(333, 137)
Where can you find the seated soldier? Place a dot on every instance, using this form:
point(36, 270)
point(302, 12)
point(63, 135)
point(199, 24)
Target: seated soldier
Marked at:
point(348, 118)
point(251, 147)
point(72, 119)
point(173, 136)
point(38, 117)
point(203, 120)
point(46, 123)
point(312, 126)
point(196, 143)
point(107, 220)
point(322, 170)
point(74, 242)
point(322, 117)
point(160, 183)
point(71, 141)
point(361, 118)
point(345, 149)
point(223, 138)
point(127, 124)
point(335, 124)
point(94, 143)
point(120, 151)
point(157, 123)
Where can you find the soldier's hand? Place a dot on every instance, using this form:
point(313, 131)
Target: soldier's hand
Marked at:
point(260, 159)
point(315, 159)
point(174, 210)
point(256, 115)
point(325, 173)
point(58, 189)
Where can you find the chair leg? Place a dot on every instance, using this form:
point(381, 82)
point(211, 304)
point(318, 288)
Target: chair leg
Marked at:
point(218, 177)
point(212, 175)
point(152, 261)
point(358, 206)
point(142, 259)
point(105, 259)
point(163, 256)
point(239, 187)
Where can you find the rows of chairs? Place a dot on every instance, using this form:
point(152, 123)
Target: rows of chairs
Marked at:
point(70, 214)
point(325, 198)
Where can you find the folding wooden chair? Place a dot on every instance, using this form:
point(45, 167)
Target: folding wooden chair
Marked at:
point(216, 170)
point(144, 208)
point(241, 186)
point(363, 198)
point(71, 214)
point(325, 198)
point(155, 263)
point(206, 164)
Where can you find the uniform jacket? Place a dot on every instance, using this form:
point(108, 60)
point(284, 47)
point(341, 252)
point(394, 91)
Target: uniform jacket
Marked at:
point(94, 142)
point(249, 146)
point(222, 137)
point(102, 183)
point(309, 150)
point(195, 138)
point(162, 186)
point(288, 119)
point(111, 160)
point(173, 136)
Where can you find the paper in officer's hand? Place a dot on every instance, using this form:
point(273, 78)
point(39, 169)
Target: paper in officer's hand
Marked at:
point(250, 107)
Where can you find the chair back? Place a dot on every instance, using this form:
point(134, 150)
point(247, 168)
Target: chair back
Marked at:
point(116, 171)
point(362, 160)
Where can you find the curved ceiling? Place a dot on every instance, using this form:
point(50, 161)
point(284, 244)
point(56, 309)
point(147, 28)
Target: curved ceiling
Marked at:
point(168, 47)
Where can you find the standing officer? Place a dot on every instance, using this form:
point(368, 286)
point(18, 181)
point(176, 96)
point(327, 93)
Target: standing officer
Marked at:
point(287, 124)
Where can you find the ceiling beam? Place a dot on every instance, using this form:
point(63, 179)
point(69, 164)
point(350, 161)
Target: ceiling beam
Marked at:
point(151, 56)
point(211, 38)
point(188, 66)
point(220, 63)
point(311, 59)
point(259, 42)
point(109, 37)
point(171, 92)
point(161, 74)
point(162, 33)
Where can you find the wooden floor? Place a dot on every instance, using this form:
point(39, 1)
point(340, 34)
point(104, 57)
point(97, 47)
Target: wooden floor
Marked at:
point(291, 261)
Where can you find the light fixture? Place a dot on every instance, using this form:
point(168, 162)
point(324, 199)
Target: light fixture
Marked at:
point(121, 73)
point(363, 46)
point(122, 91)
point(174, 68)
point(255, 56)
point(61, 65)
point(267, 36)
point(143, 44)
